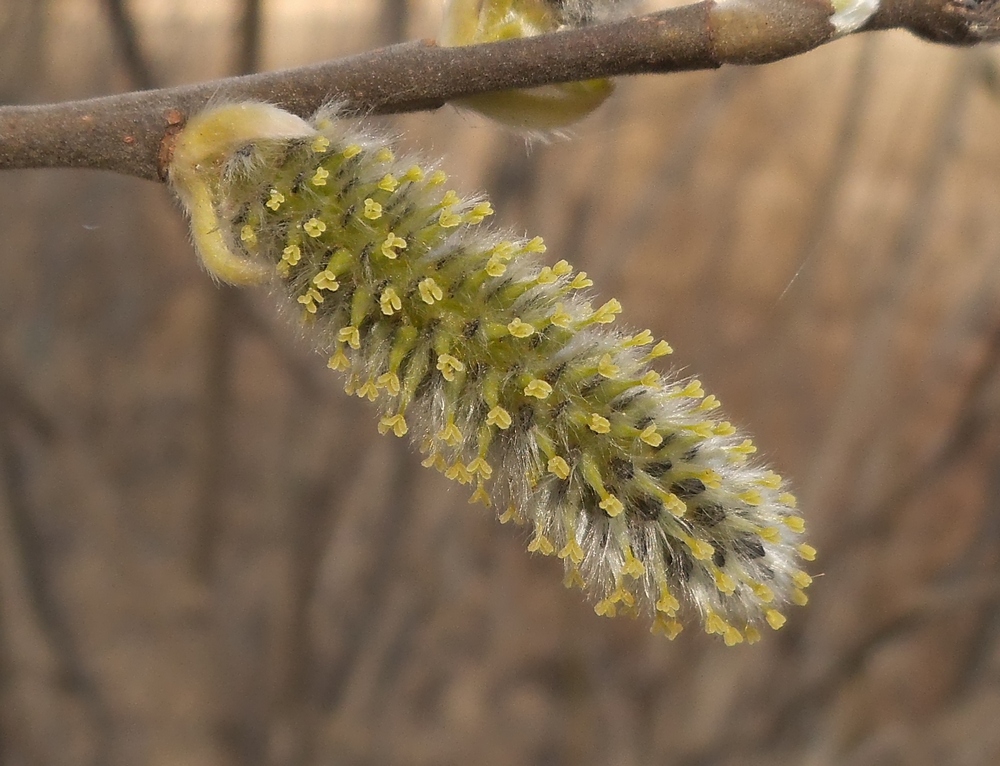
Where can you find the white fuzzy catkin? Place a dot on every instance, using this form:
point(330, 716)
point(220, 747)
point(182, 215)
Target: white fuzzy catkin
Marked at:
point(500, 369)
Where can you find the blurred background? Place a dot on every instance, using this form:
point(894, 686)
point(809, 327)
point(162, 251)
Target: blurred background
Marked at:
point(208, 557)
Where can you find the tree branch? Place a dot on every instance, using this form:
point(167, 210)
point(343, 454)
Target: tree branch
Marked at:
point(131, 133)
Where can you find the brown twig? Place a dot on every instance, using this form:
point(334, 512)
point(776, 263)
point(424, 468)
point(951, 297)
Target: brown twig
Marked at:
point(127, 133)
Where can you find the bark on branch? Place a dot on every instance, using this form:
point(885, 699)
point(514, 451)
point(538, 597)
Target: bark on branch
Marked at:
point(131, 133)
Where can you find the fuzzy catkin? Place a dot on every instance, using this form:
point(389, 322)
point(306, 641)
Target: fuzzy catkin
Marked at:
point(499, 368)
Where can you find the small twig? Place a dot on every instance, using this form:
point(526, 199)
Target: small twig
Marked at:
point(131, 133)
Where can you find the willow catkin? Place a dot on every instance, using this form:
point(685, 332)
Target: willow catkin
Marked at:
point(499, 368)
point(539, 112)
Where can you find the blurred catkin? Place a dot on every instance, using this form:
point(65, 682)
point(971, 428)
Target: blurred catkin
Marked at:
point(498, 367)
point(536, 111)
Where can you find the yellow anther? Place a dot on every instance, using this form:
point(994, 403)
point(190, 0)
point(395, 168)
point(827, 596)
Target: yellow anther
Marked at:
point(458, 472)
point(414, 174)
point(725, 428)
point(702, 429)
point(384, 155)
point(282, 269)
point(480, 466)
point(572, 551)
point(390, 383)
point(711, 403)
point(642, 339)
point(807, 552)
point(574, 579)
point(715, 624)
point(450, 198)
point(561, 318)
point(495, 266)
point(546, 276)
point(651, 378)
point(291, 255)
point(799, 598)
point(319, 177)
point(449, 365)
point(339, 360)
point(508, 515)
point(430, 291)
point(390, 301)
point(326, 280)
point(607, 368)
point(520, 329)
point(650, 436)
point(801, 579)
point(449, 220)
point(538, 389)
point(611, 505)
point(787, 498)
point(499, 417)
point(660, 349)
point(373, 210)
point(275, 200)
point(752, 634)
point(479, 212)
point(396, 422)
point(309, 300)
point(504, 250)
point(481, 496)
point(320, 144)
point(699, 548)
point(606, 313)
point(581, 281)
point(248, 235)
point(535, 245)
point(369, 390)
point(605, 608)
point(732, 636)
point(436, 462)
point(774, 618)
point(388, 183)
point(437, 178)
point(770, 534)
point(622, 595)
point(667, 627)
point(633, 567)
point(541, 544)
point(763, 592)
point(692, 390)
point(558, 466)
point(314, 227)
point(710, 478)
point(675, 505)
point(350, 336)
point(561, 268)
point(795, 523)
point(667, 603)
point(451, 435)
point(351, 150)
point(751, 497)
point(724, 582)
point(771, 480)
point(391, 245)
point(599, 424)
point(746, 447)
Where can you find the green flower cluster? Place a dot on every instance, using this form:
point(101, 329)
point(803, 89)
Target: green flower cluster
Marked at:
point(499, 367)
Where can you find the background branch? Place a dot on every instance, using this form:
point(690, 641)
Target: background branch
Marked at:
point(126, 133)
